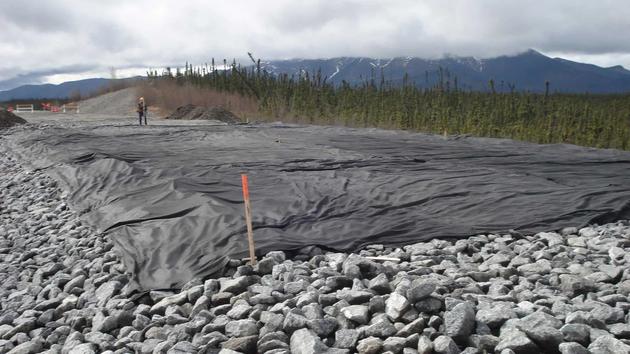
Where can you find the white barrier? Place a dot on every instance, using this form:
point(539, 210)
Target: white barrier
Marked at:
point(72, 107)
point(24, 108)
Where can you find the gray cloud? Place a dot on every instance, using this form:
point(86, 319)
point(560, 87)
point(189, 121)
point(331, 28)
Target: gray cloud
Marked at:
point(41, 36)
point(36, 15)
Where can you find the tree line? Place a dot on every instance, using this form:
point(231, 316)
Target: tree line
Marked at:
point(596, 120)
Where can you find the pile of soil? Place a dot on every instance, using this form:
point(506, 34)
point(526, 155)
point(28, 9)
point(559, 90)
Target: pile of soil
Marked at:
point(192, 112)
point(8, 119)
point(118, 103)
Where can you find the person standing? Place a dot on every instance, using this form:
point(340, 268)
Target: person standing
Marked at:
point(142, 111)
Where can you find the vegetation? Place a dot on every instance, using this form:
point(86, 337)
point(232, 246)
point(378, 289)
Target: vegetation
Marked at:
point(168, 95)
point(591, 120)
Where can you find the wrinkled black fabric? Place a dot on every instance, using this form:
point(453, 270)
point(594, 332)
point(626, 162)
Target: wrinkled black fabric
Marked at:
point(170, 197)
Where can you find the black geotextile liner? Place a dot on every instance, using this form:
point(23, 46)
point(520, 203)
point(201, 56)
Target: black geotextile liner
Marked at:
point(170, 197)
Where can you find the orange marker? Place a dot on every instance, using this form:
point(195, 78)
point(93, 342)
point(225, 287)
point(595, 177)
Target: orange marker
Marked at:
point(248, 219)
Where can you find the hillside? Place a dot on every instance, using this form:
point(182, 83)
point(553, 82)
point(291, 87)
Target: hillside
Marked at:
point(527, 72)
point(65, 90)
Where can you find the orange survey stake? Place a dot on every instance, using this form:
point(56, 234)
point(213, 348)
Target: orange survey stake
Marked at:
point(245, 186)
point(248, 219)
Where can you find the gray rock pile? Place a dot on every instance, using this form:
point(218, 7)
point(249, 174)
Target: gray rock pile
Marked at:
point(117, 103)
point(63, 290)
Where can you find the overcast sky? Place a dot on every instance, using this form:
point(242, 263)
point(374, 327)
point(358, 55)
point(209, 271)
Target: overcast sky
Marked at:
point(59, 40)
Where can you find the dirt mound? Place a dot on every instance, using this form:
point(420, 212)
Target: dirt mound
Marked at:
point(117, 103)
point(8, 119)
point(192, 112)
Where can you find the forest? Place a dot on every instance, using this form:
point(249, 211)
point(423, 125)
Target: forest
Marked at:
point(601, 121)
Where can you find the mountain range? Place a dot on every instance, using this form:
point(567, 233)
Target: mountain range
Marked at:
point(61, 91)
point(528, 71)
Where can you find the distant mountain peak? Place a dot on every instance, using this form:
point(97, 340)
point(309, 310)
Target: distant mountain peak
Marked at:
point(619, 68)
point(531, 51)
point(527, 71)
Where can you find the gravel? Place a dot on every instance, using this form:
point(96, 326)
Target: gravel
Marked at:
point(64, 290)
point(117, 103)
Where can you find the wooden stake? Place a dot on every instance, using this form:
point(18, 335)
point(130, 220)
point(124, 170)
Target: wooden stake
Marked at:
point(248, 219)
point(384, 259)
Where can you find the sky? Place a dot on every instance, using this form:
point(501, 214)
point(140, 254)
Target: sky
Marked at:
point(59, 40)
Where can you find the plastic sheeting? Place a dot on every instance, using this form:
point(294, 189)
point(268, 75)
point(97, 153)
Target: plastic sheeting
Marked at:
point(170, 197)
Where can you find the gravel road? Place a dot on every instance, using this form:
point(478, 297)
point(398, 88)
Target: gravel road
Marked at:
point(63, 289)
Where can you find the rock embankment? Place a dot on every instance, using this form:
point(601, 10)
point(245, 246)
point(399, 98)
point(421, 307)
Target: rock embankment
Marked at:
point(63, 290)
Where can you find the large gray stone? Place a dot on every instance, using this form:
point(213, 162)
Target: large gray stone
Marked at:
point(356, 313)
point(425, 346)
point(161, 306)
point(293, 321)
point(572, 348)
point(620, 330)
point(429, 305)
point(485, 342)
point(415, 326)
point(103, 340)
point(382, 328)
point(576, 332)
point(265, 265)
point(541, 266)
point(377, 304)
point(76, 282)
point(460, 321)
point(552, 238)
point(47, 304)
point(380, 284)
point(574, 285)
point(517, 341)
point(239, 310)
point(323, 327)
point(86, 348)
point(4, 329)
point(338, 282)
point(304, 341)
point(242, 344)
point(395, 306)
point(420, 290)
point(606, 313)
point(354, 297)
point(30, 347)
point(241, 328)
point(234, 286)
point(370, 345)
point(608, 345)
point(106, 291)
point(346, 338)
point(149, 345)
point(182, 348)
point(394, 344)
point(542, 328)
point(445, 345)
point(494, 314)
